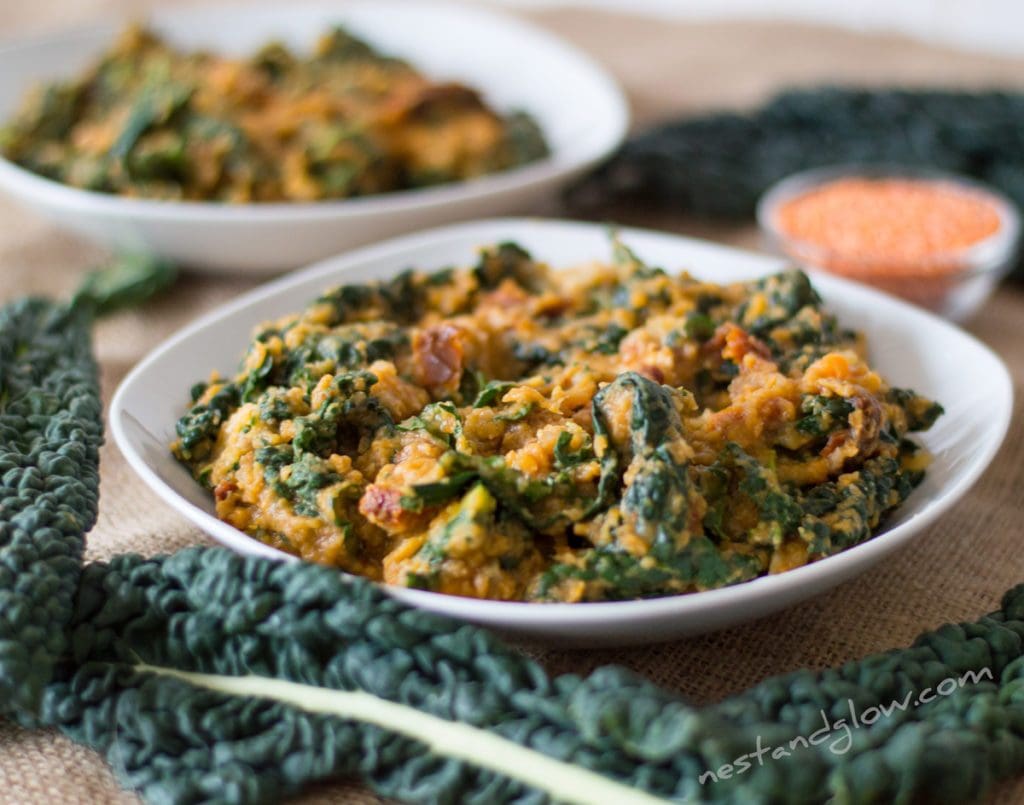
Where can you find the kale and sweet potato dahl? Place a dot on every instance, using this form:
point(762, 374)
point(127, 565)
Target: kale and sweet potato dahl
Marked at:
point(150, 121)
point(604, 432)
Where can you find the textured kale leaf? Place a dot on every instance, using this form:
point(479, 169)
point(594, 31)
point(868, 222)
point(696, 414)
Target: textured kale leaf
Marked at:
point(506, 261)
point(823, 414)
point(50, 434)
point(210, 676)
point(51, 429)
point(197, 428)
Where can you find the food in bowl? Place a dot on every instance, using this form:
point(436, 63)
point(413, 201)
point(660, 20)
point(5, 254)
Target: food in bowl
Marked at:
point(935, 239)
point(514, 432)
point(150, 121)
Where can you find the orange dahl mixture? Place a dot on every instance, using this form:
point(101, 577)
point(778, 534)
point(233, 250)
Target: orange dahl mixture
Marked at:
point(153, 121)
point(508, 431)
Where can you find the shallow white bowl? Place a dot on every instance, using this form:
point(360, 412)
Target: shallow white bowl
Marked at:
point(911, 347)
point(517, 66)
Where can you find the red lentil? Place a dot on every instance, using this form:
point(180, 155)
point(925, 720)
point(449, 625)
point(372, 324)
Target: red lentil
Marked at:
point(890, 226)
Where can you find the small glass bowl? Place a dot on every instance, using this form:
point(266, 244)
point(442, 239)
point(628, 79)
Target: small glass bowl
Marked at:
point(954, 284)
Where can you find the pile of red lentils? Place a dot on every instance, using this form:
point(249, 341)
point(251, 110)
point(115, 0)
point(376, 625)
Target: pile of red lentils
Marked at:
point(904, 234)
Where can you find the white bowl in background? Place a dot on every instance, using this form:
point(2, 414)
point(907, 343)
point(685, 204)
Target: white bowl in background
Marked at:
point(582, 112)
point(910, 347)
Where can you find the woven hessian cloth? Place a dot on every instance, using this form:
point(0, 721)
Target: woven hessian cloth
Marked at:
point(956, 571)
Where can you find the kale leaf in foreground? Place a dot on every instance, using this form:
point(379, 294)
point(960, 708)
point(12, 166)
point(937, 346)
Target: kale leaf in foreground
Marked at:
point(51, 429)
point(50, 434)
point(208, 676)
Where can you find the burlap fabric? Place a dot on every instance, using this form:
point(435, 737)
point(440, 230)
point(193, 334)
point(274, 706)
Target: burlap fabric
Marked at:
point(955, 571)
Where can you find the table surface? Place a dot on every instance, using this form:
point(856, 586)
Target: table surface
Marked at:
point(955, 571)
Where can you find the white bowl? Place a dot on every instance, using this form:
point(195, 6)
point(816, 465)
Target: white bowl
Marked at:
point(582, 112)
point(911, 347)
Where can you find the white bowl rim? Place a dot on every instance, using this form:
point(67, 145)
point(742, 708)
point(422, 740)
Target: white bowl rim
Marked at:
point(525, 615)
point(397, 202)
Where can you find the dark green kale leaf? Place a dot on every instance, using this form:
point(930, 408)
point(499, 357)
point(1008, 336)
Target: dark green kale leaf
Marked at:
point(823, 414)
point(737, 479)
point(523, 140)
point(492, 392)
point(527, 497)
point(699, 325)
point(400, 299)
point(839, 515)
point(157, 104)
point(348, 415)
point(50, 434)
point(274, 676)
point(198, 428)
point(787, 293)
point(921, 412)
point(437, 492)
point(658, 506)
point(256, 380)
point(506, 261)
point(653, 417)
point(565, 457)
point(51, 429)
point(306, 476)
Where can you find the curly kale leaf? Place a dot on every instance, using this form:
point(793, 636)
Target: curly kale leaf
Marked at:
point(658, 506)
point(823, 414)
point(529, 498)
point(306, 475)
point(921, 412)
point(567, 458)
point(435, 493)
point(653, 417)
point(841, 514)
point(211, 676)
point(506, 261)
point(738, 479)
point(343, 348)
point(785, 295)
point(50, 434)
point(51, 429)
point(197, 429)
point(125, 281)
point(492, 392)
point(297, 471)
point(400, 300)
point(785, 312)
point(296, 674)
point(347, 413)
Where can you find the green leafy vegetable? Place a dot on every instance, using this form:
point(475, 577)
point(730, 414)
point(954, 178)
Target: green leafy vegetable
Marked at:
point(124, 282)
point(822, 415)
point(506, 261)
point(157, 103)
point(492, 392)
point(50, 433)
point(197, 429)
point(296, 674)
point(431, 494)
point(921, 412)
